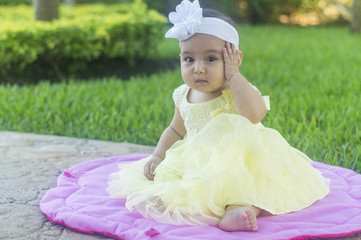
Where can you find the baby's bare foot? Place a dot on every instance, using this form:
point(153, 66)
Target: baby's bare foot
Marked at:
point(239, 218)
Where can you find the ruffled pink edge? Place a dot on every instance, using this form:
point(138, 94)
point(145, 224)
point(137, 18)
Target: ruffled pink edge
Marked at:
point(325, 236)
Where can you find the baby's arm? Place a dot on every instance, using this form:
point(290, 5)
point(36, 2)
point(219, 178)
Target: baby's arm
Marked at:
point(174, 132)
point(249, 102)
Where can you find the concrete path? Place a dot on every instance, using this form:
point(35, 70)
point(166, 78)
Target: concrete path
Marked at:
point(29, 166)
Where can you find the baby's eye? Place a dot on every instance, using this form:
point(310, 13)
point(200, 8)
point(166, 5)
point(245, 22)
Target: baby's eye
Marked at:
point(211, 59)
point(188, 59)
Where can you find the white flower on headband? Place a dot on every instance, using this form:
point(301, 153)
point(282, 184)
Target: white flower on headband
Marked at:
point(186, 19)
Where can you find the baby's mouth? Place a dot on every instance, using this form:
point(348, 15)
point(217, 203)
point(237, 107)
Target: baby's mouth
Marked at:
point(201, 81)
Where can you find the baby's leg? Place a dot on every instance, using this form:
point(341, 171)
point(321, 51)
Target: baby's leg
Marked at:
point(239, 218)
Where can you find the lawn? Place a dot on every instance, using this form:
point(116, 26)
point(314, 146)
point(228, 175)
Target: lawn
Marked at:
point(312, 76)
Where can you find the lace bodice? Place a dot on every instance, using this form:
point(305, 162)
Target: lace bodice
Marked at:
point(197, 115)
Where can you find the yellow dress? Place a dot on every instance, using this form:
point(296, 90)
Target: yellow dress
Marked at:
point(223, 159)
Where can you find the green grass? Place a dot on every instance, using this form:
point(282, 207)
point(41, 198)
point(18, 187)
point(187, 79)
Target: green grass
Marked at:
point(312, 76)
point(136, 111)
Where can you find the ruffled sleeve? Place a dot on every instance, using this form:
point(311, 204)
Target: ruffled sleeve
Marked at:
point(265, 98)
point(179, 94)
point(267, 102)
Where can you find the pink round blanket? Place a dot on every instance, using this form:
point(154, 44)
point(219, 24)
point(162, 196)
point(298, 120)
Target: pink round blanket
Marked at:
point(80, 202)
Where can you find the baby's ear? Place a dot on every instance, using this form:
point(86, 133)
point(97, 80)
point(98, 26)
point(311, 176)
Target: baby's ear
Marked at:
point(240, 58)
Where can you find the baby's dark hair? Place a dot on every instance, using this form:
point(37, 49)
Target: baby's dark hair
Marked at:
point(208, 12)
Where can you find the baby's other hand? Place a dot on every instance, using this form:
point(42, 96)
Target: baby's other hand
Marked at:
point(150, 166)
point(232, 60)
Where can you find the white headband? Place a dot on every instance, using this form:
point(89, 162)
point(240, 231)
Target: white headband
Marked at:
point(188, 20)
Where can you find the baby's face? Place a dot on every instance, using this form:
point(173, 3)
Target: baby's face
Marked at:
point(202, 63)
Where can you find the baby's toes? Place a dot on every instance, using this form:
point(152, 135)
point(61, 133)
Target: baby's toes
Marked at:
point(252, 221)
point(246, 221)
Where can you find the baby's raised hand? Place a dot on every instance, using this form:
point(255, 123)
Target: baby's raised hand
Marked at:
point(150, 166)
point(232, 60)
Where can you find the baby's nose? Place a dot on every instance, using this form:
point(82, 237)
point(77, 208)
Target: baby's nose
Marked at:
point(199, 67)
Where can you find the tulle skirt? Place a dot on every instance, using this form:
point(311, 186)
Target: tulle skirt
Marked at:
point(230, 161)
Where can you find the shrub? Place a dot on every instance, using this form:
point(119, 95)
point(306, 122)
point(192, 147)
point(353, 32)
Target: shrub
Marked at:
point(82, 34)
point(29, 2)
point(15, 2)
point(103, 1)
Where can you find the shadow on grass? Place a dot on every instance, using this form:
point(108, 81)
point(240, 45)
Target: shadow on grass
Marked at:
point(102, 68)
